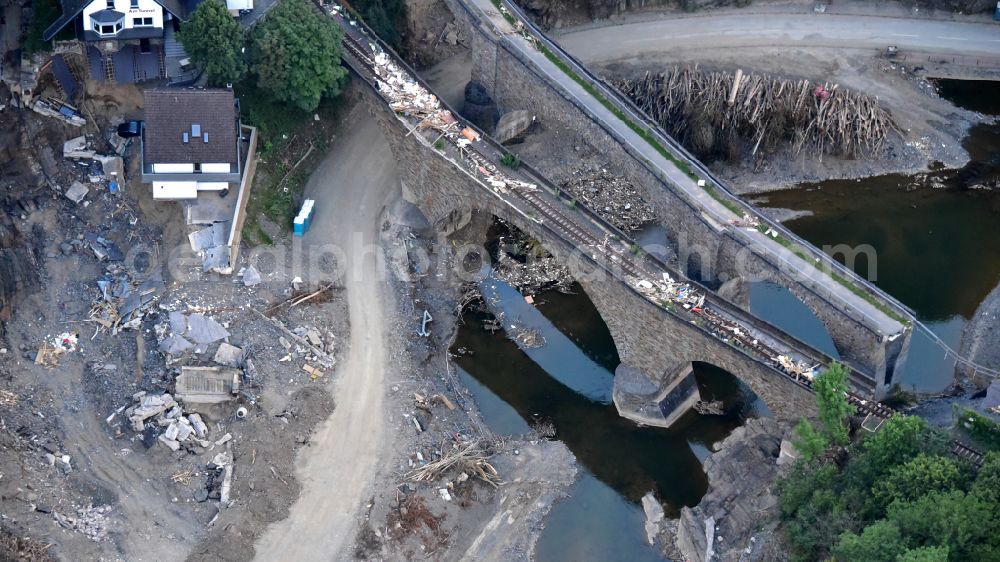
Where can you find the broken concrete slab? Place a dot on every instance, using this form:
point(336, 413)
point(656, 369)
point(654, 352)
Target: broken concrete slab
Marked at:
point(77, 192)
point(202, 329)
point(77, 148)
point(228, 355)
point(175, 345)
point(199, 427)
point(251, 276)
point(170, 443)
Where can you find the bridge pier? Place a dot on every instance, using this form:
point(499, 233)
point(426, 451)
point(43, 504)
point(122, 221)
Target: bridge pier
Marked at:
point(650, 339)
point(708, 251)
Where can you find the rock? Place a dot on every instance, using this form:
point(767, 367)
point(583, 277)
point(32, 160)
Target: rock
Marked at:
point(43, 508)
point(170, 443)
point(201, 495)
point(739, 501)
point(654, 515)
point(513, 125)
point(77, 192)
point(251, 276)
point(66, 248)
point(788, 454)
point(228, 355)
point(451, 38)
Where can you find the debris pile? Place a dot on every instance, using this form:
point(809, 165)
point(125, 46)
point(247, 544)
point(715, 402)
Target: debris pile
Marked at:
point(189, 331)
point(154, 411)
point(719, 112)
point(529, 338)
point(669, 293)
point(406, 96)
point(469, 460)
point(90, 521)
point(748, 221)
point(49, 352)
point(613, 197)
point(63, 111)
point(219, 479)
point(122, 302)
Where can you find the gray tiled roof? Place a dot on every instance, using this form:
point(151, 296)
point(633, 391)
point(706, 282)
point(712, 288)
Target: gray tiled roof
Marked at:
point(107, 16)
point(171, 112)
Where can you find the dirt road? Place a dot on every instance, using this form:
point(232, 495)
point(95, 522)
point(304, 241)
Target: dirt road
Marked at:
point(350, 188)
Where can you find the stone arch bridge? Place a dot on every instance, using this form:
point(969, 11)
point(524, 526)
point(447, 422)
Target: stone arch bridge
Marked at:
point(658, 335)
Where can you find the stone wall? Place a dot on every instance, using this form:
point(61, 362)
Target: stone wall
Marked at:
point(648, 337)
point(709, 251)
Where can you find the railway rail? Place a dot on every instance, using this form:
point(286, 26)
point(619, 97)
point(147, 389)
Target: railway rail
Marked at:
point(548, 209)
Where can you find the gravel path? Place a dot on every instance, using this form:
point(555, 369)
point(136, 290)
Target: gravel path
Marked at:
point(337, 470)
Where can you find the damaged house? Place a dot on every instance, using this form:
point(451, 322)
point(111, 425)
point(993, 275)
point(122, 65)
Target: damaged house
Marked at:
point(196, 152)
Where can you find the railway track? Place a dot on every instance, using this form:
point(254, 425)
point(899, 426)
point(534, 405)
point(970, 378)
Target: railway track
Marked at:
point(630, 268)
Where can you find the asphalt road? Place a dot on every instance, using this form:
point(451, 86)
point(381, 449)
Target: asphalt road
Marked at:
point(740, 30)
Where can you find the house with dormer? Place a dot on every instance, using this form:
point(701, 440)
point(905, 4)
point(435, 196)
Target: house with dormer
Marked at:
point(190, 142)
point(127, 39)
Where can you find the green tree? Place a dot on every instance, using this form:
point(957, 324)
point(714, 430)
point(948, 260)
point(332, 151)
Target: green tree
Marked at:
point(961, 522)
point(879, 542)
point(385, 17)
point(987, 484)
point(214, 39)
point(295, 53)
point(918, 477)
point(925, 554)
point(830, 386)
point(810, 444)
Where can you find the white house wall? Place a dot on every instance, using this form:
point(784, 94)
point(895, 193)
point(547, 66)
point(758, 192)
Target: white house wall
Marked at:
point(144, 9)
point(212, 168)
point(174, 168)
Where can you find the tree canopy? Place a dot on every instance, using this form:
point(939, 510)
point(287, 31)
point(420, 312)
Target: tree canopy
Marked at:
point(898, 496)
point(295, 54)
point(213, 38)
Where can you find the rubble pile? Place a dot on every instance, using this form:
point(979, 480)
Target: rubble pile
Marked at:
point(122, 302)
point(52, 348)
point(185, 332)
point(613, 197)
point(533, 276)
point(670, 293)
point(406, 96)
point(90, 521)
point(153, 411)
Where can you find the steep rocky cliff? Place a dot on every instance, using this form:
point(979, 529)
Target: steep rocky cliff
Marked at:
point(736, 518)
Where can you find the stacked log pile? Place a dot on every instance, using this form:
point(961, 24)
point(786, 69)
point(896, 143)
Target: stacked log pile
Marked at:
point(726, 114)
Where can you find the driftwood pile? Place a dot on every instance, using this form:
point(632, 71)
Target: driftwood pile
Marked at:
point(470, 460)
point(724, 114)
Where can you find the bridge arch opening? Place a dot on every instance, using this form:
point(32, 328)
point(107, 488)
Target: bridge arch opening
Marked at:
point(781, 307)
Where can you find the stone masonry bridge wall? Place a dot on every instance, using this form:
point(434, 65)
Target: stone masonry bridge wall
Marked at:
point(647, 337)
point(707, 250)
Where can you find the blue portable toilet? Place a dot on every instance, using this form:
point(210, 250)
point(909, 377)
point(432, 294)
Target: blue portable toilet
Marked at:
point(303, 220)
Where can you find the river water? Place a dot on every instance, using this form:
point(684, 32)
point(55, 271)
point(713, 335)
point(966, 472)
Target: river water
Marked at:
point(935, 239)
point(936, 251)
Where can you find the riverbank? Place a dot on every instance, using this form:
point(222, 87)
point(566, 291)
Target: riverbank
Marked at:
point(981, 337)
point(836, 50)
